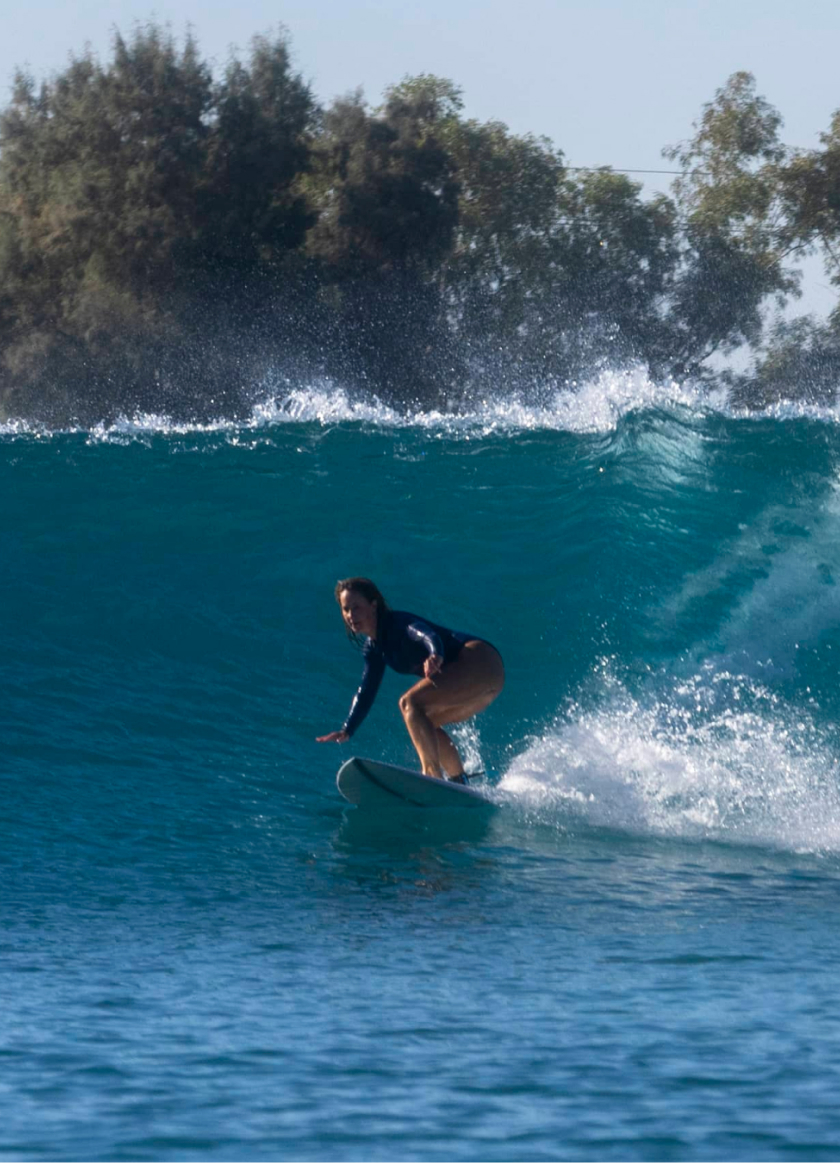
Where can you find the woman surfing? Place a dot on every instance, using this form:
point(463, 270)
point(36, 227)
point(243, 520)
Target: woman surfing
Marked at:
point(460, 674)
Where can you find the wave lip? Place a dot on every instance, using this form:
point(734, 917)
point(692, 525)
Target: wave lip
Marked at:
point(594, 406)
point(587, 407)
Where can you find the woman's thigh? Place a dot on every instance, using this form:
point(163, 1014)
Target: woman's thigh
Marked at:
point(464, 687)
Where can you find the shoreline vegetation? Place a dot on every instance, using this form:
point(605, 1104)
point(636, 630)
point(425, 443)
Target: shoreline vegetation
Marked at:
point(168, 238)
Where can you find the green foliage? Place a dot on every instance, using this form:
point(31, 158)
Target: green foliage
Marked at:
point(731, 223)
point(811, 193)
point(553, 267)
point(801, 361)
point(508, 209)
point(167, 235)
point(383, 188)
point(252, 209)
point(728, 166)
point(618, 257)
point(127, 190)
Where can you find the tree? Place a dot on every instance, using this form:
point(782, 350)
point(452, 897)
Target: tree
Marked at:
point(811, 194)
point(385, 191)
point(731, 219)
point(801, 361)
point(507, 213)
point(97, 173)
point(253, 210)
point(617, 256)
point(384, 186)
point(551, 273)
point(130, 194)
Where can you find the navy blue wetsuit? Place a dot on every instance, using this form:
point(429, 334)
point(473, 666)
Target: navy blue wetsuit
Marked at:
point(403, 642)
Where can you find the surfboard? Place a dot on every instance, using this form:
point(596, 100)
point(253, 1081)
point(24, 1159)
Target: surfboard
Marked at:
point(367, 781)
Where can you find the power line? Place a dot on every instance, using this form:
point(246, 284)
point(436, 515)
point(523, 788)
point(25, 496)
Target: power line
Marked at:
point(619, 170)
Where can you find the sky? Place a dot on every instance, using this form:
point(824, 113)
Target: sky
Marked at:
point(610, 82)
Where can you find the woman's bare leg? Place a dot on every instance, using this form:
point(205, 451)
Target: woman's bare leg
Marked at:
point(423, 734)
point(461, 690)
point(450, 760)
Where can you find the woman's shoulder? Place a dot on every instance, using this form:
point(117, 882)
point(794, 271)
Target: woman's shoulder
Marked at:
point(403, 618)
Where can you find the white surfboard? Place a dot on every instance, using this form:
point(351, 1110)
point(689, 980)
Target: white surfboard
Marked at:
point(367, 781)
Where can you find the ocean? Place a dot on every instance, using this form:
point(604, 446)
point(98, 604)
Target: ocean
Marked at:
point(207, 954)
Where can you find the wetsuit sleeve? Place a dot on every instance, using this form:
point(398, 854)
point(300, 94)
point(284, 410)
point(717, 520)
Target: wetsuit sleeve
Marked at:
point(368, 688)
point(421, 632)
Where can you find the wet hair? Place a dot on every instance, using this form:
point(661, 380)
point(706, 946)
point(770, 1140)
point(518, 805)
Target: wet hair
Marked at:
point(370, 591)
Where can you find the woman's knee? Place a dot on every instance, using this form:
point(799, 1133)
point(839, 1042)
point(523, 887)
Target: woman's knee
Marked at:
point(412, 704)
point(409, 704)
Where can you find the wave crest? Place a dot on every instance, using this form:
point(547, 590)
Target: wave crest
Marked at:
point(595, 406)
point(590, 407)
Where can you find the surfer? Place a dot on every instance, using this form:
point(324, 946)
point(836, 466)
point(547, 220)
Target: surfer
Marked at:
point(460, 674)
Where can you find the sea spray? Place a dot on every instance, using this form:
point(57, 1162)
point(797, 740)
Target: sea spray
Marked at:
point(718, 757)
point(590, 406)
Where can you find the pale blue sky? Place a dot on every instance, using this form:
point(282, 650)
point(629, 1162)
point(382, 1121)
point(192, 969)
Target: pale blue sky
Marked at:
point(609, 81)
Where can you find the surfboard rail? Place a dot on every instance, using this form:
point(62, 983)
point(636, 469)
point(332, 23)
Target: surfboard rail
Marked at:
point(368, 781)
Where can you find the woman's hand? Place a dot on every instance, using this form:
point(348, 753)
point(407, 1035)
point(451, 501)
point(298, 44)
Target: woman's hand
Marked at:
point(432, 665)
point(333, 737)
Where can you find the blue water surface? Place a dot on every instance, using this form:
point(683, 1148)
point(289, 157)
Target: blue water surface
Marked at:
point(207, 954)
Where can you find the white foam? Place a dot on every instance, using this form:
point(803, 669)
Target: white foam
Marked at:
point(720, 758)
point(28, 428)
point(592, 406)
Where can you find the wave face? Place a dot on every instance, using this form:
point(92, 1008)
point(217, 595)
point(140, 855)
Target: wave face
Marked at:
point(660, 574)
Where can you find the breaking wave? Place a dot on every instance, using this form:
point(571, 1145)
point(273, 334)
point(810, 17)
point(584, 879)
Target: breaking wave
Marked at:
point(595, 406)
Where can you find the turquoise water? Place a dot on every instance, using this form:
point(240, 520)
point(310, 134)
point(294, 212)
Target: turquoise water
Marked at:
point(206, 954)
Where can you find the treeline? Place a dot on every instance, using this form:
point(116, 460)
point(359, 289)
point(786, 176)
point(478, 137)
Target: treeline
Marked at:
point(168, 238)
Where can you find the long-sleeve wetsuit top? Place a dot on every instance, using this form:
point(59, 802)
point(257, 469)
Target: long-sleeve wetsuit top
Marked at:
point(403, 642)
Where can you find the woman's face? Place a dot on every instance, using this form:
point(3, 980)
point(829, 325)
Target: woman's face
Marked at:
point(358, 613)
